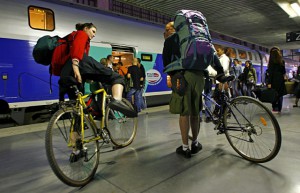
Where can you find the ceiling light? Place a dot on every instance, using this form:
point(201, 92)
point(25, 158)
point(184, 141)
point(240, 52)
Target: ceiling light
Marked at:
point(296, 8)
point(286, 6)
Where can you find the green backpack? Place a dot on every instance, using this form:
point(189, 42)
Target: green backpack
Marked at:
point(197, 51)
point(43, 50)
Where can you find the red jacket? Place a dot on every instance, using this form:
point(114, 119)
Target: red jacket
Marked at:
point(79, 44)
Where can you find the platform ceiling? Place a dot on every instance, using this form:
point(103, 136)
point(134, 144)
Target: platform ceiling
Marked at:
point(258, 21)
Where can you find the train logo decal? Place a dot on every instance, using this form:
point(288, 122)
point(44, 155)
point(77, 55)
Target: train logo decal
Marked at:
point(153, 77)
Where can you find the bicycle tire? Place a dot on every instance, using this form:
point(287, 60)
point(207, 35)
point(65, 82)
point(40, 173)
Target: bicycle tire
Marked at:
point(115, 124)
point(260, 127)
point(53, 146)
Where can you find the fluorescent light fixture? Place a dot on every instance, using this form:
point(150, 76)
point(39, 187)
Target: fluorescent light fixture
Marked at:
point(286, 5)
point(288, 9)
point(296, 8)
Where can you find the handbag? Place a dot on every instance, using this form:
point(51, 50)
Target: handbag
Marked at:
point(267, 95)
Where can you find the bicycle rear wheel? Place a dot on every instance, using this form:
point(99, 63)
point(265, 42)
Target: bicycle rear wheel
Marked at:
point(252, 130)
point(121, 129)
point(73, 170)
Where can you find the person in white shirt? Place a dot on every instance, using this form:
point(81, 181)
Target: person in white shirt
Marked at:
point(223, 59)
point(210, 75)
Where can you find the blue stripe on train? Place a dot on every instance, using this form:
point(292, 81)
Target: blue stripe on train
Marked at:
point(21, 78)
point(156, 78)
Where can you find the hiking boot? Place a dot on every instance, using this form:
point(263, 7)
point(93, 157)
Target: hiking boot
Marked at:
point(123, 108)
point(196, 148)
point(186, 153)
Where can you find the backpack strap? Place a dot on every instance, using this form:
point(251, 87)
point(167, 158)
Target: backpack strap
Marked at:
point(178, 28)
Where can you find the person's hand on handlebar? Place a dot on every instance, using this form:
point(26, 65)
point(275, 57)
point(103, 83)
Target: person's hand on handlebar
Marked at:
point(222, 78)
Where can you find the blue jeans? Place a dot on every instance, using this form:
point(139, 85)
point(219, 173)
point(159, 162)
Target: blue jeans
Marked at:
point(137, 98)
point(143, 105)
point(236, 91)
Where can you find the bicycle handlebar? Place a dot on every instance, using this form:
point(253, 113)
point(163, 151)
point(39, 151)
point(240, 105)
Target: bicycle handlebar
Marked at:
point(226, 79)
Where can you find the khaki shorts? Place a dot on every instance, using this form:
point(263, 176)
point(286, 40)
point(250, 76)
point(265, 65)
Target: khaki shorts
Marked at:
point(191, 102)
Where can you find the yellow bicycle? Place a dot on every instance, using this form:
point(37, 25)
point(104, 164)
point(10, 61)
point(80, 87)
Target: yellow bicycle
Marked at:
point(73, 140)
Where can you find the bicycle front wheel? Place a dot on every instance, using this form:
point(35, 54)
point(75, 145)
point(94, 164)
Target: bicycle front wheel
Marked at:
point(252, 130)
point(121, 129)
point(72, 169)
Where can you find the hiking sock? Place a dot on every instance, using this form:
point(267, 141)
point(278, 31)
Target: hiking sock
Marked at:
point(185, 147)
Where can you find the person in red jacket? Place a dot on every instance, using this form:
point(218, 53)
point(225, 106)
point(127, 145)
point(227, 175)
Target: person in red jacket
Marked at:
point(79, 65)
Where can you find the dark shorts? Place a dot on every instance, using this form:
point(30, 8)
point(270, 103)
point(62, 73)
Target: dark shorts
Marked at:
point(90, 69)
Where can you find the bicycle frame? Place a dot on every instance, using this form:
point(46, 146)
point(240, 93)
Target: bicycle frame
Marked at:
point(206, 108)
point(80, 106)
point(226, 101)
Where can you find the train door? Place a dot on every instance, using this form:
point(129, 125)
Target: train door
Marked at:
point(123, 54)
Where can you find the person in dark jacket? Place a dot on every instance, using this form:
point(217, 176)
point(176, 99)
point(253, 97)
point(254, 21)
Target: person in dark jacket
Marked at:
point(142, 83)
point(250, 78)
point(171, 50)
point(82, 67)
point(297, 86)
point(275, 80)
point(134, 73)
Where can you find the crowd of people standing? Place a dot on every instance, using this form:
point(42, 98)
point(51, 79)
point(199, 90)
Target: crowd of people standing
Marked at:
point(134, 77)
point(245, 81)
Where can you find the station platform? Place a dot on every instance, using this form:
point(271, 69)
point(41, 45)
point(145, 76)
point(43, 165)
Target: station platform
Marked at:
point(150, 164)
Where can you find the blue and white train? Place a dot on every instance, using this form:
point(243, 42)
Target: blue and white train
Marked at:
point(24, 85)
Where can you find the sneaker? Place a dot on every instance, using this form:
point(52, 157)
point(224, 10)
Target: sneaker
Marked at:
point(186, 153)
point(196, 148)
point(123, 108)
point(275, 112)
point(75, 157)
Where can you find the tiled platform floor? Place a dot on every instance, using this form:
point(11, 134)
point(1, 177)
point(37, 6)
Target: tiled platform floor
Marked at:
point(151, 165)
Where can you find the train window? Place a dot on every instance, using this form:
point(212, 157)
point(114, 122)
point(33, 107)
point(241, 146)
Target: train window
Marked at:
point(266, 59)
point(41, 18)
point(255, 56)
point(146, 57)
point(242, 54)
point(250, 55)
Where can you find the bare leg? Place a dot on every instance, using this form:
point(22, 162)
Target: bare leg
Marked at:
point(194, 120)
point(118, 104)
point(117, 91)
point(184, 128)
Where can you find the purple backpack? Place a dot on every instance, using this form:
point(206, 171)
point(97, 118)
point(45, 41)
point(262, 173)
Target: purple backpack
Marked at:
point(195, 44)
